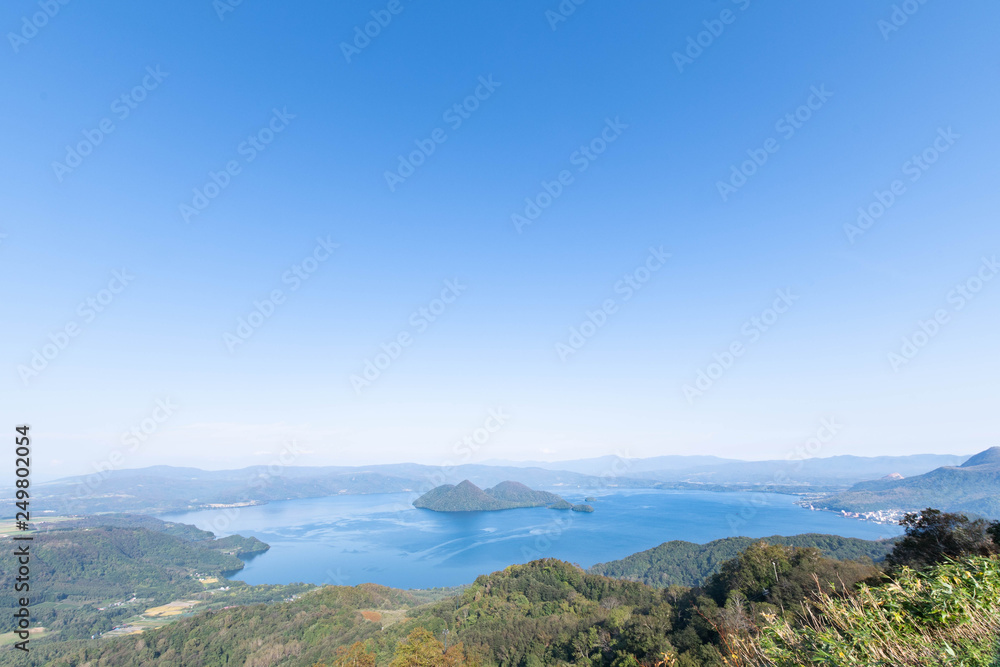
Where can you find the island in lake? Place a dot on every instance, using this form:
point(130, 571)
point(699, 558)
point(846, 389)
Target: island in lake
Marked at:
point(467, 497)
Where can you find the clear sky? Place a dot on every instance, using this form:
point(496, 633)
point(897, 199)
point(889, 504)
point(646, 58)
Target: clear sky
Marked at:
point(673, 169)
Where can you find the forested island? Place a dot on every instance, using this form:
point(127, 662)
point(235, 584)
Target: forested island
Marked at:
point(467, 497)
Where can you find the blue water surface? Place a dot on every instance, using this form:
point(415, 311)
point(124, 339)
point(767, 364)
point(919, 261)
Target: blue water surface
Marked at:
point(348, 540)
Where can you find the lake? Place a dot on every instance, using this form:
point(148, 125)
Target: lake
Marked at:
point(348, 540)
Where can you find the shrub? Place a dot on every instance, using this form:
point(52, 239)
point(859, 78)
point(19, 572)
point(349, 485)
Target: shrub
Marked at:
point(945, 615)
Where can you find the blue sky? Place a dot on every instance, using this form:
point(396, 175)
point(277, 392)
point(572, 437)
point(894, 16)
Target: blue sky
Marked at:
point(641, 138)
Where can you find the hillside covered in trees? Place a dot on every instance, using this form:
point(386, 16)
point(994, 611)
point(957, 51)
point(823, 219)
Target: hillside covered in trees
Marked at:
point(933, 602)
point(87, 575)
point(546, 612)
point(687, 564)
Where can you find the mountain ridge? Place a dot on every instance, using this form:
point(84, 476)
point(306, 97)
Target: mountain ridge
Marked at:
point(972, 487)
point(162, 488)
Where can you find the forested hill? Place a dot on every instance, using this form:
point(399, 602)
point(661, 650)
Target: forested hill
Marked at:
point(91, 573)
point(467, 497)
point(129, 561)
point(548, 612)
point(687, 564)
point(972, 487)
point(239, 545)
point(542, 613)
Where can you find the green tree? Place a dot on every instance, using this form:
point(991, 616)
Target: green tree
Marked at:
point(354, 655)
point(781, 576)
point(933, 535)
point(423, 649)
point(943, 615)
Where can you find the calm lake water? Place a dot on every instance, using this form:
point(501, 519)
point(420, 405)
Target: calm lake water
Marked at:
point(349, 540)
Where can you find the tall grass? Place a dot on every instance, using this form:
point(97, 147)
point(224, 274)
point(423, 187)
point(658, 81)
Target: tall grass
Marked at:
point(946, 615)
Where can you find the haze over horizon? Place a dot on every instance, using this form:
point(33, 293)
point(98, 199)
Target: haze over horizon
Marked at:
point(450, 466)
point(789, 317)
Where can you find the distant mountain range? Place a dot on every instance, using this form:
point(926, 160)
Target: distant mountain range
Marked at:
point(467, 497)
point(828, 471)
point(166, 488)
point(602, 464)
point(973, 486)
